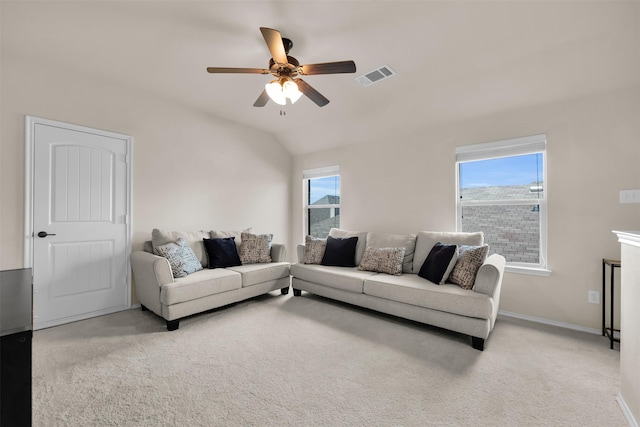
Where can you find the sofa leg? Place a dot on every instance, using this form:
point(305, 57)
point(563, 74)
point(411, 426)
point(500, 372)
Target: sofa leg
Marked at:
point(297, 292)
point(477, 343)
point(143, 307)
point(284, 291)
point(172, 325)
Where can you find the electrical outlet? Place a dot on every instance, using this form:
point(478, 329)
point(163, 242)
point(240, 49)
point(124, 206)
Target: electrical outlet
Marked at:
point(594, 297)
point(629, 196)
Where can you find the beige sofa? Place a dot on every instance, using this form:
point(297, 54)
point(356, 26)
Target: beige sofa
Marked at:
point(468, 311)
point(206, 289)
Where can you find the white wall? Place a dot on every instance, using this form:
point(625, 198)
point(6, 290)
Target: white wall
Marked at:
point(190, 171)
point(593, 148)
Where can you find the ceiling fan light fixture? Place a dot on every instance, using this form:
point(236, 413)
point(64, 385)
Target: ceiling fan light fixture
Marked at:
point(291, 91)
point(282, 89)
point(275, 92)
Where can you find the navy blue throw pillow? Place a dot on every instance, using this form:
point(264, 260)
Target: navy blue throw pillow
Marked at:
point(340, 252)
point(222, 252)
point(435, 266)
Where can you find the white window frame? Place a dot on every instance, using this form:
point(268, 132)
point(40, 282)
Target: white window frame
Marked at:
point(307, 175)
point(509, 148)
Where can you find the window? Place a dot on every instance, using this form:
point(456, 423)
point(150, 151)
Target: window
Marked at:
point(321, 200)
point(502, 192)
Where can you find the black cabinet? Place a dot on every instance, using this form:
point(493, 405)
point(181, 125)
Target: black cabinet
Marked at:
point(16, 332)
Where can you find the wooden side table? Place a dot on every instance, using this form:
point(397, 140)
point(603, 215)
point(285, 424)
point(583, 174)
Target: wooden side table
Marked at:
point(609, 331)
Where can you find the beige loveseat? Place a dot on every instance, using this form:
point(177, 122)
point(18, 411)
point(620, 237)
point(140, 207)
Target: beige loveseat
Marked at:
point(468, 311)
point(174, 298)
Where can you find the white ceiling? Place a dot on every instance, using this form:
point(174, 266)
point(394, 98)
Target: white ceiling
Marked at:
point(454, 60)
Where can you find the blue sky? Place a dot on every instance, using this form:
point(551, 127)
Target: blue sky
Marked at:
point(516, 170)
point(320, 187)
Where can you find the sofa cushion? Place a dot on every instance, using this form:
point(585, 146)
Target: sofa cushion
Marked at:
point(362, 240)
point(425, 240)
point(439, 263)
point(253, 274)
point(470, 259)
point(181, 257)
point(388, 240)
point(340, 252)
point(217, 234)
point(193, 238)
point(314, 249)
point(222, 252)
point(345, 278)
point(382, 260)
point(414, 290)
point(200, 284)
point(255, 248)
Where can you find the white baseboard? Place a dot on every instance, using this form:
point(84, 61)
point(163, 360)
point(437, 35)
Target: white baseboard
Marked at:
point(626, 411)
point(70, 319)
point(550, 322)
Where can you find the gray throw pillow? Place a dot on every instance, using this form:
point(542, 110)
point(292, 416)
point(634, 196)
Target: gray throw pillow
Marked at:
point(182, 259)
point(193, 239)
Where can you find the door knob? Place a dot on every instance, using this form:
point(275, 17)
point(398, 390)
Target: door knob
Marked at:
point(44, 234)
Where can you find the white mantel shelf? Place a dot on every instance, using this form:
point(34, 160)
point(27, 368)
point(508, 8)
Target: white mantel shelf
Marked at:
point(629, 237)
point(629, 397)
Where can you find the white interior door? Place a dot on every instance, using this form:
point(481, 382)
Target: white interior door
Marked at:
point(80, 235)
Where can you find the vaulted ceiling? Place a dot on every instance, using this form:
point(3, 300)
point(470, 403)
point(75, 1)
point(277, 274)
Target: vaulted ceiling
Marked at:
point(454, 60)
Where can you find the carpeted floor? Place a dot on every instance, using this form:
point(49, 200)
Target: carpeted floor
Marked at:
point(307, 361)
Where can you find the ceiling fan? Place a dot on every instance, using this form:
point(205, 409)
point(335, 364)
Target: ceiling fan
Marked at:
point(286, 69)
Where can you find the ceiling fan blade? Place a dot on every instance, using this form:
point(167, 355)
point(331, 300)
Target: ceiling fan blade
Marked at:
point(274, 42)
point(311, 93)
point(328, 68)
point(238, 70)
point(262, 99)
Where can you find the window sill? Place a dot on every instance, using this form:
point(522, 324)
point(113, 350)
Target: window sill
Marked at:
point(532, 271)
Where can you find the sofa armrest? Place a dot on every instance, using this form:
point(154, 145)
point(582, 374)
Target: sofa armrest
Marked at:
point(150, 272)
point(278, 252)
point(489, 277)
point(300, 253)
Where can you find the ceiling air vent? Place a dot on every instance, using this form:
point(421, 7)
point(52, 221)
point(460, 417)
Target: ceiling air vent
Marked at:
point(375, 76)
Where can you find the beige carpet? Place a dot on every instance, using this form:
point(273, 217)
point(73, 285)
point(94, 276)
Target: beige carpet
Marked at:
point(307, 361)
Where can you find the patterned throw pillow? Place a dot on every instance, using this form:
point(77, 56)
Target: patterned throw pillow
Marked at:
point(255, 248)
point(182, 259)
point(470, 259)
point(389, 240)
point(314, 250)
point(193, 238)
point(382, 260)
